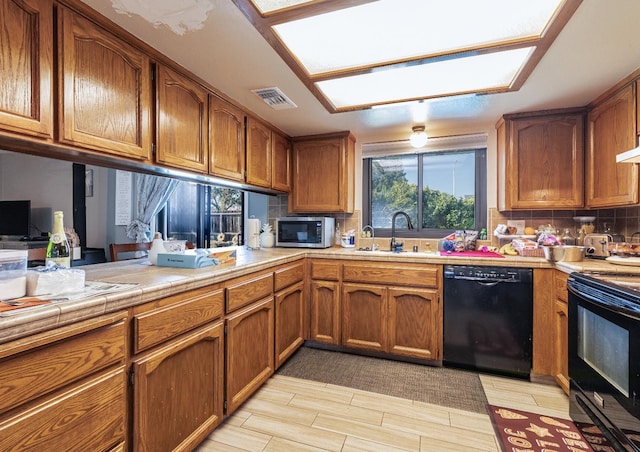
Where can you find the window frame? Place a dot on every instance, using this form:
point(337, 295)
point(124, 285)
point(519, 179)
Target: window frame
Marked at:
point(480, 212)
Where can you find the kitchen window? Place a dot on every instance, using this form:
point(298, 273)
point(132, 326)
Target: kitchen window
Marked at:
point(206, 215)
point(441, 191)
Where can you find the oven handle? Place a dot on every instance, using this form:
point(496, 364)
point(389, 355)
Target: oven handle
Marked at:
point(604, 301)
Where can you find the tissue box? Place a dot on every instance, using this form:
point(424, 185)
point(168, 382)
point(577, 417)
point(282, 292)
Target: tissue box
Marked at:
point(44, 281)
point(195, 258)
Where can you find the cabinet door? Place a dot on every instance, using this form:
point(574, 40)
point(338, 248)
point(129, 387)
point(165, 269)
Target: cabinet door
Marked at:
point(280, 163)
point(182, 122)
point(86, 416)
point(561, 340)
point(289, 321)
point(250, 351)
point(544, 163)
point(178, 391)
point(105, 86)
point(611, 130)
point(26, 72)
point(258, 153)
point(415, 323)
point(226, 154)
point(323, 175)
point(325, 312)
point(364, 316)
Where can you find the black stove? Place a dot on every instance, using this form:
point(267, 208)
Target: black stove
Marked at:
point(604, 358)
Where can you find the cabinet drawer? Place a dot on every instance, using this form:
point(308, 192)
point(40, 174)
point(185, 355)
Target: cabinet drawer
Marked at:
point(284, 277)
point(242, 292)
point(329, 270)
point(560, 280)
point(154, 327)
point(43, 369)
point(90, 416)
point(395, 274)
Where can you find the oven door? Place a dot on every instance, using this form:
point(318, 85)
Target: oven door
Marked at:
point(604, 368)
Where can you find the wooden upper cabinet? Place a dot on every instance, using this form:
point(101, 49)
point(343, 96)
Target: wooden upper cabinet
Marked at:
point(540, 160)
point(105, 90)
point(280, 162)
point(182, 125)
point(258, 153)
point(612, 130)
point(26, 72)
point(226, 157)
point(323, 173)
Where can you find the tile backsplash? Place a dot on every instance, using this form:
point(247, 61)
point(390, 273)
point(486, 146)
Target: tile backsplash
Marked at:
point(623, 221)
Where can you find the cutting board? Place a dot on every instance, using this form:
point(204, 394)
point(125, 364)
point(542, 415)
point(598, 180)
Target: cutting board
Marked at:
point(475, 253)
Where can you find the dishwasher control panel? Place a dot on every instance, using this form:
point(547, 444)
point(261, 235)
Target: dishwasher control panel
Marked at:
point(482, 273)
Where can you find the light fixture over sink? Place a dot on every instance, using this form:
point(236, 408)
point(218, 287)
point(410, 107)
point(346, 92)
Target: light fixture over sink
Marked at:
point(419, 137)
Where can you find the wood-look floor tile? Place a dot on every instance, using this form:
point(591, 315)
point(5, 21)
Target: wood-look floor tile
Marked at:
point(471, 421)
point(434, 444)
point(353, 444)
point(278, 411)
point(342, 409)
point(284, 445)
point(239, 416)
point(274, 395)
point(299, 387)
point(463, 438)
point(402, 407)
point(310, 436)
point(410, 424)
point(240, 437)
point(376, 434)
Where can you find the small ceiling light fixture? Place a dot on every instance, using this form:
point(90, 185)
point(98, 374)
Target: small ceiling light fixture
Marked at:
point(419, 137)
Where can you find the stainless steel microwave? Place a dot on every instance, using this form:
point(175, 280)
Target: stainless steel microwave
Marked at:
point(305, 232)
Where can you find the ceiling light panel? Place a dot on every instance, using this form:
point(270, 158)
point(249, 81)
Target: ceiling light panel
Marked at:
point(390, 31)
point(491, 72)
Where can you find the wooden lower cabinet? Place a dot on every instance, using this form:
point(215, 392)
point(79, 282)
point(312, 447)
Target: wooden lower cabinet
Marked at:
point(178, 391)
point(325, 312)
point(414, 323)
point(364, 316)
point(250, 351)
point(65, 389)
point(561, 329)
point(289, 317)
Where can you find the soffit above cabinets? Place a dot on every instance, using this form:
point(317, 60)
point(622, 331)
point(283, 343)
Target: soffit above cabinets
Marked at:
point(356, 54)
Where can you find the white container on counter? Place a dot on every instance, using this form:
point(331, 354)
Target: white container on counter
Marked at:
point(13, 274)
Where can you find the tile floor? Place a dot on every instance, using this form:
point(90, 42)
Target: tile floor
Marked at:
point(293, 415)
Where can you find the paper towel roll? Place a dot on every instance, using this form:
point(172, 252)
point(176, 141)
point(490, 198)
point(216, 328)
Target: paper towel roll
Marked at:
point(253, 233)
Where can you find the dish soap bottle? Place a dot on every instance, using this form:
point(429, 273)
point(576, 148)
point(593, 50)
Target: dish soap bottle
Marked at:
point(157, 246)
point(58, 250)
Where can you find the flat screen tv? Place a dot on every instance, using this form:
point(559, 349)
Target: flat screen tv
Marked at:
point(15, 218)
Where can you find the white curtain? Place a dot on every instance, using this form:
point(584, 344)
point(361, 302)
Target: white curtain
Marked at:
point(152, 194)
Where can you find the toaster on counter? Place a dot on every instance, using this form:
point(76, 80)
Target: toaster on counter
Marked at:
point(597, 244)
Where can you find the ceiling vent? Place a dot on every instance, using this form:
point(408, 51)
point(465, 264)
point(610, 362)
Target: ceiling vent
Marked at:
point(275, 98)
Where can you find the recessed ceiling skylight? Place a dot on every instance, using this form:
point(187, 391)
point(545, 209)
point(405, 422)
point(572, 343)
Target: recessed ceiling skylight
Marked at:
point(354, 54)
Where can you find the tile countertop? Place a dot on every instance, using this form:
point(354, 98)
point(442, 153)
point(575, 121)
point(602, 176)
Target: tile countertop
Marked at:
point(157, 282)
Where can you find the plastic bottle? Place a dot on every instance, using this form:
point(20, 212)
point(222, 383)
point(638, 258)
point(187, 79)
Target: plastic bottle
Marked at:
point(58, 250)
point(338, 235)
point(157, 246)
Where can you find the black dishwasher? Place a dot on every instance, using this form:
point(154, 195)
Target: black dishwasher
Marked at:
point(488, 318)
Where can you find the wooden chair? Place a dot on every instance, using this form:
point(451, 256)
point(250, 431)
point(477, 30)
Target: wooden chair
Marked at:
point(115, 249)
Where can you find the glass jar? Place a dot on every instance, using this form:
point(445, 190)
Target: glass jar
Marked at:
point(567, 237)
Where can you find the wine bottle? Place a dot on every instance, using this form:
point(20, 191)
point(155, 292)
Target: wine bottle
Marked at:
point(58, 250)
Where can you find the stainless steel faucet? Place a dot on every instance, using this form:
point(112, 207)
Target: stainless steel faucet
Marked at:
point(397, 246)
point(373, 235)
